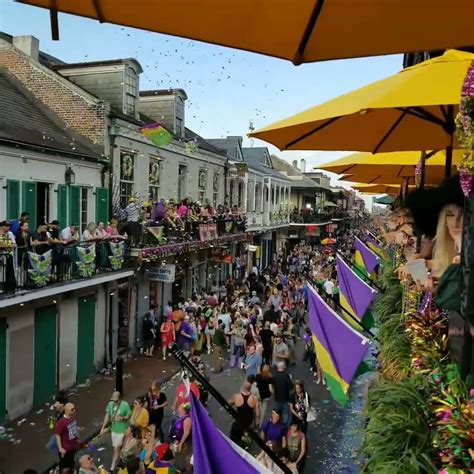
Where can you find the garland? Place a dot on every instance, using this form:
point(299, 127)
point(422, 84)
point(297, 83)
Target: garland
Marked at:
point(155, 253)
point(465, 132)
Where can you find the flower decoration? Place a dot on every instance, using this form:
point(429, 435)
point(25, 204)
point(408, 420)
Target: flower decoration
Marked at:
point(465, 132)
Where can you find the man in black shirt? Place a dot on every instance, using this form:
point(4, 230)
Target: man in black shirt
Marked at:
point(266, 335)
point(270, 315)
point(282, 389)
point(40, 240)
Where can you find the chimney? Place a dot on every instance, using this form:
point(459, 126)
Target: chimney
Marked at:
point(295, 164)
point(303, 165)
point(165, 107)
point(28, 45)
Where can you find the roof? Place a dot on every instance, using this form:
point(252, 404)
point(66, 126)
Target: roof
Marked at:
point(161, 92)
point(303, 182)
point(283, 165)
point(25, 120)
point(108, 62)
point(231, 144)
point(203, 143)
point(256, 157)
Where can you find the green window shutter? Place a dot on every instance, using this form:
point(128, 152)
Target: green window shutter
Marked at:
point(29, 201)
point(102, 205)
point(13, 199)
point(75, 205)
point(62, 206)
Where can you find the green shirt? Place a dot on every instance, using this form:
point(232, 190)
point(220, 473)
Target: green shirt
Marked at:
point(114, 412)
point(219, 338)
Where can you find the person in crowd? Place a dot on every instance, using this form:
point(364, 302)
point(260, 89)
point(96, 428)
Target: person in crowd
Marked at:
point(87, 465)
point(265, 460)
point(295, 442)
point(246, 406)
point(67, 439)
point(130, 452)
point(266, 335)
point(15, 224)
point(219, 342)
point(40, 240)
point(22, 238)
point(285, 458)
point(252, 361)
point(101, 232)
point(156, 402)
point(149, 333)
point(167, 335)
point(180, 437)
point(140, 416)
point(273, 430)
point(282, 388)
point(70, 234)
point(90, 233)
point(117, 416)
point(182, 394)
point(281, 352)
point(299, 405)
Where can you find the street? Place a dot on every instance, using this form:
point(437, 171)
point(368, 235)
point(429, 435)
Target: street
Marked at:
point(332, 438)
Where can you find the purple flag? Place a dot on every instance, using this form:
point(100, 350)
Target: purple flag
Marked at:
point(213, 452)
point(339, 347)
point(369, 259)
point(356, 295)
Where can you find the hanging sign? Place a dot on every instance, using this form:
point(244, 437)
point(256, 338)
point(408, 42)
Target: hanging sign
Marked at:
point(165, 274)
point(207, 232)
point(221, 255)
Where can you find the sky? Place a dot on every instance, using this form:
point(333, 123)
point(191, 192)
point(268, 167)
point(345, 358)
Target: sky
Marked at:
point(227, 89)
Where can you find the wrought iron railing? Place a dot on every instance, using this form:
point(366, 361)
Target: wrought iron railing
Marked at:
point(23, 269)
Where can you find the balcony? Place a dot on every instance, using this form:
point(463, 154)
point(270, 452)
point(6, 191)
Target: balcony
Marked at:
point(22, 271)
point(306, 216)
point(160, 239)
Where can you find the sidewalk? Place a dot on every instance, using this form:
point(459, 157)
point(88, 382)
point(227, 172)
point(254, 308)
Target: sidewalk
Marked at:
point(23, 445)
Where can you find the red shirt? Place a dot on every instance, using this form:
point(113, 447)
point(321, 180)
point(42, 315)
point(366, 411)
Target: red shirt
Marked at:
point(181, 392)
point(66, 428)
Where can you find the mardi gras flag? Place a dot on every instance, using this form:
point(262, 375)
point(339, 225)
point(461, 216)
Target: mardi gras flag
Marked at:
point(365, 259)
point(213, 452)
point(374, 245)
point(339, 348)
point(355, 296)
point(156, 133)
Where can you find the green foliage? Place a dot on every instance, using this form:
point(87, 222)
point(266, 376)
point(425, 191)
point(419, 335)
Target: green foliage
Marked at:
point(396, 438)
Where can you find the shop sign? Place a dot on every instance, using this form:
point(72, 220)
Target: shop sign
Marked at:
point(253, 248)
point(166, 273)
point(207, 232)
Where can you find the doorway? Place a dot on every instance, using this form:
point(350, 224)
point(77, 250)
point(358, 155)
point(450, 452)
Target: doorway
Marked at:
point(45, 354)
point(123, 318)
point(85, 337)
point(42, 200)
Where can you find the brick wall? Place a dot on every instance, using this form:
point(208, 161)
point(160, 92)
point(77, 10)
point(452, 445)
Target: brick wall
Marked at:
point(81, 111)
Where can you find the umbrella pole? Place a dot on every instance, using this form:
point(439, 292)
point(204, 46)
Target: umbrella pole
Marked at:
point(449, 149)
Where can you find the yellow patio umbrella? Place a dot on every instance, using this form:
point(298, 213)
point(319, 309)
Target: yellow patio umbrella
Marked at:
point(298, 30)
point(376, 188)
point(390, 168)
point(411, 110)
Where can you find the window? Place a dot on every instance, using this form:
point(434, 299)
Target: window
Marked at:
point(154, 173)
point(250, 190)
point(202, 184)
point(179, 126)
point(182, 171)
point(215, 189)
point(127, 163)
point(131, 91)
point(84, 221)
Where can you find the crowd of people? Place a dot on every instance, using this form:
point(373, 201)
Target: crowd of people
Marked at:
point(257, 326)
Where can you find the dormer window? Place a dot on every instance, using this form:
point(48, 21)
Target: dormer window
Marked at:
point(131, 91)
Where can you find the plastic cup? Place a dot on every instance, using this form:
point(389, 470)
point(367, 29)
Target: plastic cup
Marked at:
point(417, 270)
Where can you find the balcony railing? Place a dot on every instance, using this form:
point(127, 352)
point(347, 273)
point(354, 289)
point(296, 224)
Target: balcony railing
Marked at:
point(162, 233)
point(306, 217)
point(22, 270)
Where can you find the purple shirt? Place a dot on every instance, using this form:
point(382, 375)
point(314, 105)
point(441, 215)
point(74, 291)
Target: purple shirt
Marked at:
point(273, 431)
point(186, 328)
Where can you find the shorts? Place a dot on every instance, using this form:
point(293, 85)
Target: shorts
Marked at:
point(117, 439)
point(68, 460)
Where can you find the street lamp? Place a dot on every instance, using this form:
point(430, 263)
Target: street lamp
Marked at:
point(70, 176)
